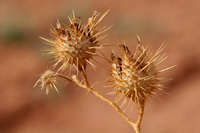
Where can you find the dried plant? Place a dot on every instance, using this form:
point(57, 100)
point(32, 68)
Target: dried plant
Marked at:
point(47, 81)
point(134, 76)
point(75, 44)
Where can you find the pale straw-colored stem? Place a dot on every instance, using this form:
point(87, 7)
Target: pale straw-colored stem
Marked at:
point(140, 116)
point(86, 85)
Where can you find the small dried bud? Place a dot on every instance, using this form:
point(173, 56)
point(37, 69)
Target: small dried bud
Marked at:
point(135, 76)
point(75, 44)
point(47, 81)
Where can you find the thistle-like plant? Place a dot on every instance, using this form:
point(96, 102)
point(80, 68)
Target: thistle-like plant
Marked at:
point(134, 75)
point(75, 44)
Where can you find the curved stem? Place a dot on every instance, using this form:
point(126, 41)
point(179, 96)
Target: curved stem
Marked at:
point(134, 125)
point(140, 116)
point(101, 97)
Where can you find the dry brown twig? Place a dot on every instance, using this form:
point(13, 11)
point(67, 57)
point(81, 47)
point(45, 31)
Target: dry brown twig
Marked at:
point(133, 76)
point(86, 85)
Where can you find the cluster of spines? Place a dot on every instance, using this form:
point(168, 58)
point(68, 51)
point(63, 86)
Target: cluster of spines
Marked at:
point(75, 43)
point(135, 76)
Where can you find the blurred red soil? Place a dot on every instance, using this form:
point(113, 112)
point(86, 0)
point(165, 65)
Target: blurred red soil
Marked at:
point(25, 109)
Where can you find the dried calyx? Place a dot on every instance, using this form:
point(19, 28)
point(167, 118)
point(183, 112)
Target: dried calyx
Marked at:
point(47, 81)
point(75, 44)
point(135, 75)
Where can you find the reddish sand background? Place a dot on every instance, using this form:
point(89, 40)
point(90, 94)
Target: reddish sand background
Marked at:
point(26, 110)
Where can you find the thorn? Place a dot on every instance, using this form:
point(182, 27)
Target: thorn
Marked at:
point(168, 68)
point(73, 13)
point(49, 41)
point(138, 39)
point(70, 20)
point(101, 18)
point(58, 24)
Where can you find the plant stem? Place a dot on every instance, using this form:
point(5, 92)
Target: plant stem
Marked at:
point(140, 116)
point(134, 125)
point(101, 97)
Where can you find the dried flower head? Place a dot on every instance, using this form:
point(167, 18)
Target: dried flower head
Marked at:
point(47, 81)
point(75, 44)
point(136, 76)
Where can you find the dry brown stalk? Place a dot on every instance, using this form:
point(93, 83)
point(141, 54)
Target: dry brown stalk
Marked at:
point(86, 85)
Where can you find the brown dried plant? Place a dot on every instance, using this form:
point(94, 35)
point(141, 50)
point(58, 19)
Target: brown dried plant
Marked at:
point(134, 76)
point(75, 44)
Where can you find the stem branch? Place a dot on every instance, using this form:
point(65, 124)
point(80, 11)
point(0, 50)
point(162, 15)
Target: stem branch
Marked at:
point(86, 85)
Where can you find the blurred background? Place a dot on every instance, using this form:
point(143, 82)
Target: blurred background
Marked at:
point(25, 109)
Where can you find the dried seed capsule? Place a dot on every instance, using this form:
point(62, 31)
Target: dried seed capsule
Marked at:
point(76, 44)
point(135, 76)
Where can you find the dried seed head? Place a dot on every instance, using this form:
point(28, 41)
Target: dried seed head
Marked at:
point(47, 81)
point(75, 44)
point(135, 76)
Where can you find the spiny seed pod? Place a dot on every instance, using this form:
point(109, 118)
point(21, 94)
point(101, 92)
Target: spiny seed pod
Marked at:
point(135, 76)
point(47, 81)
point(75, 44)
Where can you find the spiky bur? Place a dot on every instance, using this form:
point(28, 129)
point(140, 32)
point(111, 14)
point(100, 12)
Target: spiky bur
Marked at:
point(47, 81)
point(135, 75)
point(75, 44)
